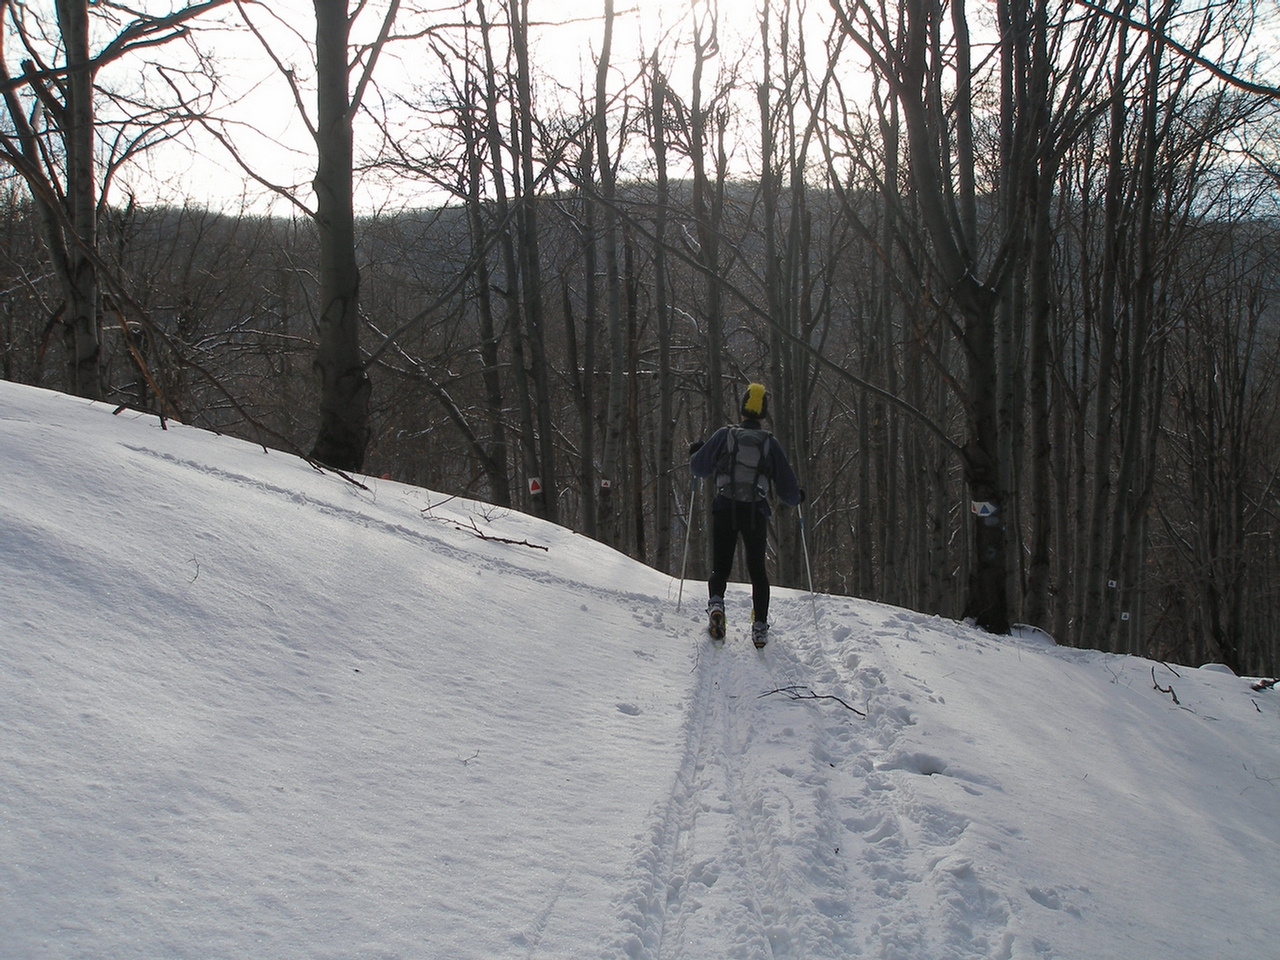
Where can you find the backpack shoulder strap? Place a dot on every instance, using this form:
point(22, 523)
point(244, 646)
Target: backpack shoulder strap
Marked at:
point(763, 438)
point(728, 456)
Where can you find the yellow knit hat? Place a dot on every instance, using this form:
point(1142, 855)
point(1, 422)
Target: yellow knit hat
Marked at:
point(755, 404)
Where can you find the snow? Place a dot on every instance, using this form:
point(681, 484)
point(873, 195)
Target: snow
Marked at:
point(249, 709)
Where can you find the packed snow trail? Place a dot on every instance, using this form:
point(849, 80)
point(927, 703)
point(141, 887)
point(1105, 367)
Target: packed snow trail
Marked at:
point(750, 850)
point(828, 803)
point(725, 865)
point(791, 831)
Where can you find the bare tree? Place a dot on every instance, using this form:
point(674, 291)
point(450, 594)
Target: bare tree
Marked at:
point(968, 284)
point(343, 433)
point(705, 134)
point(545, 500)
point(658, 99)
point(614, 411)
point(51, 139)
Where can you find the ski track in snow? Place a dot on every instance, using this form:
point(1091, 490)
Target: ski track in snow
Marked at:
point(741, 856)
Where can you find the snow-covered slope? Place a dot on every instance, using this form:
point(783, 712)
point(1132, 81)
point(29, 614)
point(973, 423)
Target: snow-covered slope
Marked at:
point(248, 709)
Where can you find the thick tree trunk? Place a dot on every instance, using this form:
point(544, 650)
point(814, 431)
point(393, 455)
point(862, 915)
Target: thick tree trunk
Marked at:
point(81, 328)
point(635, 482)
point(987, 603)
point(1040, 454)
point(975, 305)
point(344, 383)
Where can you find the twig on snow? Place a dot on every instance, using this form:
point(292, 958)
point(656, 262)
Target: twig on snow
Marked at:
point(797, 692)
point(518, 543)
point(470, 526)
point(1168, 689)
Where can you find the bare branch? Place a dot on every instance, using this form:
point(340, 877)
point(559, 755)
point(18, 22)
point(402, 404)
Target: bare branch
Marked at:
point(797, 692)
point(358, 96)
point(1168, 689)
point(286, 72)
point(145, 31)
point(471, 527)
point(1226, 76)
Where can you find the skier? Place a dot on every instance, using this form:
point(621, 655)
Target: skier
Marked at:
point(745, 460)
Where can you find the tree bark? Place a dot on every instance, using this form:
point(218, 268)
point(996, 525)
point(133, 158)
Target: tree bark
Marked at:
point(545, 501)
point(708, 202)
point(345, 388)
point(664, 497)
point(494, 461)
point(615, 409)
point(975, 304)
point(80, 325)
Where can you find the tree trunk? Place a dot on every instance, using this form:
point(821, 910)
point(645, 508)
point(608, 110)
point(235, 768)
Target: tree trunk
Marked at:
point(582, 367)
point(635, 482)
point(510, 260)
point(546, 500)
point(664, 497)
point(1092, 601)
point(1040, 454)
point(81, 329)
point(344, 383)
point(495, 459)
point(708, 199)
point(976, 304)
point(615, 410)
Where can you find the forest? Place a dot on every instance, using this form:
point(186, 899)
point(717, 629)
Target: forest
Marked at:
point(1007, 270)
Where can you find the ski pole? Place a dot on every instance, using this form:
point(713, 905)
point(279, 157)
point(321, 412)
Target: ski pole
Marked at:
point(688, 529)
point(804, 542)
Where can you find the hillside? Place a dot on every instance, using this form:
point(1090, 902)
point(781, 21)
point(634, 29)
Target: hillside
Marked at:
point(249, 709)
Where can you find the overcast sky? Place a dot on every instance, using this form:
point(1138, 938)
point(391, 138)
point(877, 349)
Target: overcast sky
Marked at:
point(258, 110)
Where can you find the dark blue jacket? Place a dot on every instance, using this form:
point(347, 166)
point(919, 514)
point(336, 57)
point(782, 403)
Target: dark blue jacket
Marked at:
point(776, 468)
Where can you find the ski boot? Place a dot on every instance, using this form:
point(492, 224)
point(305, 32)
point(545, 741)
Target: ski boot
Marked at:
point(760, 633)
point(715, 614)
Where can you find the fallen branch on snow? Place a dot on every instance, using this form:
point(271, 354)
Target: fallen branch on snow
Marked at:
point(518, 543)
point(471, 527)
point(1168, 689)
point(797, 692)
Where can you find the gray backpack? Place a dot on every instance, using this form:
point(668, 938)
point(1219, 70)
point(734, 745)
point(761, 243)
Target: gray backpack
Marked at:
point(742, 473)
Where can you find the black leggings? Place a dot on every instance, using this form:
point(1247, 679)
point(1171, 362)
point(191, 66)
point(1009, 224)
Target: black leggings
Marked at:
point(726, 527)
